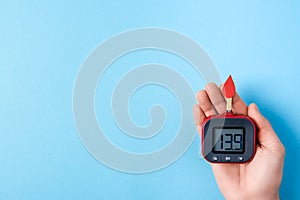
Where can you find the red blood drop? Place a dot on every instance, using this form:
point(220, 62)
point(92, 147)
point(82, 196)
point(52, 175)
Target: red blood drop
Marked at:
point(229, 88)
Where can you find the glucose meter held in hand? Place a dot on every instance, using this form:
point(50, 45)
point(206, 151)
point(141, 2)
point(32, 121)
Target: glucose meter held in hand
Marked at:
point(228, 138)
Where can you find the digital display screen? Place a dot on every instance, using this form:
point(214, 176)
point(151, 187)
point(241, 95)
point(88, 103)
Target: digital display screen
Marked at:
point(228, 140)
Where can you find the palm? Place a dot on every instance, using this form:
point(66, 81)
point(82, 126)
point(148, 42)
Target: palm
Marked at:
point(253, 177)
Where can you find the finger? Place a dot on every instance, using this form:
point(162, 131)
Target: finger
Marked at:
point(216, 97)
point(205, 103)
point(261, 122)
point(265, 133)
point(238, 105)
point(199, 115)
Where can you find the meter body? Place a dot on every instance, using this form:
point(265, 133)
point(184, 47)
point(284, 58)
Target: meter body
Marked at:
point(228, 138)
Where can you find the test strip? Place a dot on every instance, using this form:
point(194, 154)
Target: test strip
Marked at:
point(228, 91)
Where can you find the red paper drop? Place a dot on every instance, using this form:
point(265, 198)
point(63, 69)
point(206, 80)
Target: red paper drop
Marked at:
point(229, 88)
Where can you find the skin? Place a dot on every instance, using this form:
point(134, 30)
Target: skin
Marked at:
point(259, 179)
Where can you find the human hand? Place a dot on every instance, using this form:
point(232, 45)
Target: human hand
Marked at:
point(259, 179)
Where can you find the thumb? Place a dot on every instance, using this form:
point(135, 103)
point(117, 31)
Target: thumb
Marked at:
point(265, 133)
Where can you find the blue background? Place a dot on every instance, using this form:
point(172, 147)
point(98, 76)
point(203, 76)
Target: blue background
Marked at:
point(43, 44)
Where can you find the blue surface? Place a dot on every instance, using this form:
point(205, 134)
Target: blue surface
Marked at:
point(43, 44)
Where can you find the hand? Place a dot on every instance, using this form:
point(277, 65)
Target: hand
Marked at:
point(258, 179)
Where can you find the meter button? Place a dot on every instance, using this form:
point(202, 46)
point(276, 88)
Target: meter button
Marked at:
point(227, 158)
point(216, 158)
point(240, 158)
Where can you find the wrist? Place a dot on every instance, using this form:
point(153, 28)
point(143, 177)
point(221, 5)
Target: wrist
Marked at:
point(253, 197)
